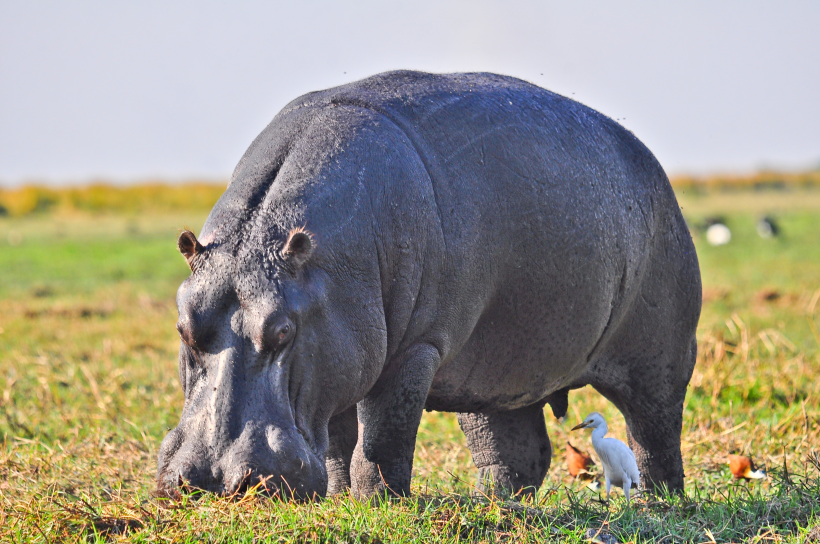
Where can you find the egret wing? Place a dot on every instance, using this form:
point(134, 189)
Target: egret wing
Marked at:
point(628, 462)
point(618, 461)
point(609, 460)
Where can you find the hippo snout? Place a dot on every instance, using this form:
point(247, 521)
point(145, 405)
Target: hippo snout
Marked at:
point(276, 462)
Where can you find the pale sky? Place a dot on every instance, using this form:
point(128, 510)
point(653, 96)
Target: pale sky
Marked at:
point(126, 91)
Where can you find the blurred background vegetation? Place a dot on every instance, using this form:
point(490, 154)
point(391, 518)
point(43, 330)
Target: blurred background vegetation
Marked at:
point(157, 196)
point(101, 197)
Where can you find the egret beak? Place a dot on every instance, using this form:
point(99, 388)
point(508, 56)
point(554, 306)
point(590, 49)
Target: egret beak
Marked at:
point(579, 426)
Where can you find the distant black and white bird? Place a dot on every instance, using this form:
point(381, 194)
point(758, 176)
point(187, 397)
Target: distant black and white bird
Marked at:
point(767, 227)
point(717, 233)
point(620, 467)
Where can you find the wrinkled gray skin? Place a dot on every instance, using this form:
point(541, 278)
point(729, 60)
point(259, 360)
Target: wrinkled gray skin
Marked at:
point(472, 243)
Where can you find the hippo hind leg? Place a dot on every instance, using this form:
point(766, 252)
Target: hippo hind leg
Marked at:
point(654, 426)
point(645, 370)
point(645, 367)
point(653, 409)
point(342, 434)
point(510, 449)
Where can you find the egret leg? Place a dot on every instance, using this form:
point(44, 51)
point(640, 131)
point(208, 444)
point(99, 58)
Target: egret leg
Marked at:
point(510, 449)
point(608, 486)
point(627, 485)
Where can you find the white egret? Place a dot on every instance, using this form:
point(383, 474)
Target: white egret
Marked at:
point(618, 460)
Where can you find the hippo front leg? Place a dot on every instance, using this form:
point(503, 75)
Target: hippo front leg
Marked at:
point(342, 434)
point(389, 418)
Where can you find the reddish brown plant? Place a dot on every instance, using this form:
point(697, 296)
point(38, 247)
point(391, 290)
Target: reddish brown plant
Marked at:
point(578, 462)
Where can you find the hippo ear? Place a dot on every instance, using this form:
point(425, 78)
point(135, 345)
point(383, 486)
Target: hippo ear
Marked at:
point(189, 246)
point(298, 248)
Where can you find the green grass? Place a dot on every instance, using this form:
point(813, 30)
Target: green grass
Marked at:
point(88, 387)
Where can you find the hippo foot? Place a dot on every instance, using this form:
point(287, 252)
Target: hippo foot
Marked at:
point(377, 481)
point(503, 482)
point(661, 469)
point(510, 449)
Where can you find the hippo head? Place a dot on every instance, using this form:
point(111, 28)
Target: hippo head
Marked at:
point(266, 359)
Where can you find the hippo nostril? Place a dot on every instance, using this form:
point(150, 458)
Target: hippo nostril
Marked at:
point(185, 486)
point(182, 485)
point(251, 481)
point(191, 480)
point(238, 484)
point(166, 488)
point(186, 478)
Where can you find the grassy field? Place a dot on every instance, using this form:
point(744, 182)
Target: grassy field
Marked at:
point(88, 387)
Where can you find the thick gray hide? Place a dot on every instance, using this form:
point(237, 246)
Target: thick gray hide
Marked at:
point(476, 245)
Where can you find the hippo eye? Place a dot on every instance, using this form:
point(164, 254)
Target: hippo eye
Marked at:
point(279, 333)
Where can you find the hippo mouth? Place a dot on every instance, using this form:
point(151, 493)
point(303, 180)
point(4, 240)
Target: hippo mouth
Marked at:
point(242, 431)
point(274, 462)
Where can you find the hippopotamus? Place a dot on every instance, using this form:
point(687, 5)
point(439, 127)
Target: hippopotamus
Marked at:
point(468, 243)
